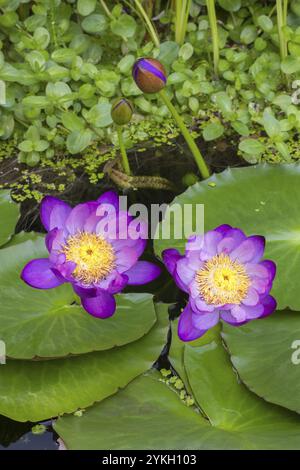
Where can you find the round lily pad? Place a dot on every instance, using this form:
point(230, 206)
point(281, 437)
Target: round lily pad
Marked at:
point(38, 390)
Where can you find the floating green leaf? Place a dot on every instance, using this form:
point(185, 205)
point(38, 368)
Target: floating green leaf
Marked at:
point(151, 415)
point(37, 390)
point(266, 355)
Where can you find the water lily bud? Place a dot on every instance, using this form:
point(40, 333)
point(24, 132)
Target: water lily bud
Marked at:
point(149, 75)
point(121, 111)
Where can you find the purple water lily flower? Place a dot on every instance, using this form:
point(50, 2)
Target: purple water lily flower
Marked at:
point(223, 273)
point(96, 247)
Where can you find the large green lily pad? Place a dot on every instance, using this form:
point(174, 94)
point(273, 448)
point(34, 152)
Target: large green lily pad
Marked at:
point(266, 354)
point(9, 214)
point(146, 415)
point(149, 414)
point(262, 200)
point(36, 323)
point(37, 390)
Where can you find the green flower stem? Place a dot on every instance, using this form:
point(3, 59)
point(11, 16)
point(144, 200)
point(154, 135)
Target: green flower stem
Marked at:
point(211, 10)
point(125, 161)
point(186, 134)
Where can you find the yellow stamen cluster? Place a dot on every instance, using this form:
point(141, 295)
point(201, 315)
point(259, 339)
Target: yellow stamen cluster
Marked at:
point(223, 281)
point(93, 255)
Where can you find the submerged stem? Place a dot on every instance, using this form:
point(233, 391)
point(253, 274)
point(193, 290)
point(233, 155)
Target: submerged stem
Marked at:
point(125, 161)
point(186, 134)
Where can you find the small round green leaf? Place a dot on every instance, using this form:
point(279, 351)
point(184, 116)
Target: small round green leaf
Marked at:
point(213, 131)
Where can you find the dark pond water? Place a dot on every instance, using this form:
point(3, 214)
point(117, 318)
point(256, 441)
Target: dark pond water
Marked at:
point(171, 163)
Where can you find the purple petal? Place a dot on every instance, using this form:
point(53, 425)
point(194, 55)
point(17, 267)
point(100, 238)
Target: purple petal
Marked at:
point(65, 270)
point(239, 313)
point(194, 259)
point(228, 318)
point(206, 244)
point(101, 306)
point(125, 259)
point(232, 239)
point(200, 306)
point(243, 313)
point(262, 275)
point(227, 245)
point(269, 304)
point(252, 297)
point(170, 258)
point(37, 273)
point(270, 266)
point(142, 273)
point(250, 250)
point(118, 283)
point(194, 243)
point(184, 272)
point(210, 246)
point(83, 292)
point(205, 321)
point(186, 329)
point(223, 229)
point(112, 226)
point(111, 198)
point(54, 212)
point(55, 239)
point(257, 270)
point(138, 245)
point(79, 215)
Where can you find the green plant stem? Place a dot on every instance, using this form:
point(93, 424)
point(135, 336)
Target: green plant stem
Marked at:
point(106, 9)
point(281, 22)
point(186, 134)
point(285, 11)
point(125, 161)
point(148, 23)
point(53, 25)
point(182, 10)
point(211, 10)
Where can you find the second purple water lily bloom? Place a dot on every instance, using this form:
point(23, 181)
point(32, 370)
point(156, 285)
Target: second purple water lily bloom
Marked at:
point(225, 277)
point(94, 246)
